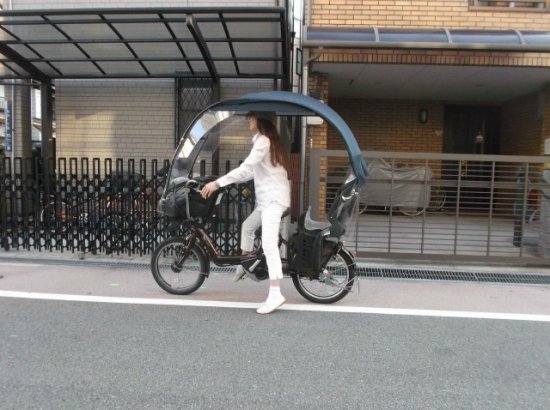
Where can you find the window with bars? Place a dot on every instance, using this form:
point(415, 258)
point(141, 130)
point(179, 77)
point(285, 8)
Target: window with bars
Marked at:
point(519, 5)
point(192, 96)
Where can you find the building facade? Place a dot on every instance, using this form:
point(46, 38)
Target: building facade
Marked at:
point(127, 117)
point(382, 62)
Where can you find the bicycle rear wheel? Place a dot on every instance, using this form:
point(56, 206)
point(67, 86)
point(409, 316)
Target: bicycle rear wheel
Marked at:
point(334, 282)
point(412, 211)
point(173, 271)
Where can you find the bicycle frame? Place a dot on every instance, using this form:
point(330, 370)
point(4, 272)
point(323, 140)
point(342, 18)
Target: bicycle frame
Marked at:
point(198, 232)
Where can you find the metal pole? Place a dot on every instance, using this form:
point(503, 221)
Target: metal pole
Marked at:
point(47, 137)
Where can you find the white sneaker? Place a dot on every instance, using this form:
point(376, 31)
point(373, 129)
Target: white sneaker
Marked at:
point(240, 273)
point(272, 303)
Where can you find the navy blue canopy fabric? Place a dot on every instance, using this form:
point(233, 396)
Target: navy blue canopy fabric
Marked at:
point(293, 104)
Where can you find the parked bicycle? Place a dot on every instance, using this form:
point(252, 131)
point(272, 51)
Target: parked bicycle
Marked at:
point(321, 268)
point(408, 189)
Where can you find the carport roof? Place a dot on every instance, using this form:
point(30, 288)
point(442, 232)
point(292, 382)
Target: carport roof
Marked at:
point(235, 42)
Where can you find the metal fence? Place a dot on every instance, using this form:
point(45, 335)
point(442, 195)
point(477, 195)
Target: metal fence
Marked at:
point(99, 206)
point(442, 206)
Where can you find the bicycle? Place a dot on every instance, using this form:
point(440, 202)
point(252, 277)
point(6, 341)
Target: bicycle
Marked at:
point(437, 202)
point(322, 270)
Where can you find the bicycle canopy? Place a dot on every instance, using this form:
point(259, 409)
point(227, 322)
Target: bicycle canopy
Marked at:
point(280, 103)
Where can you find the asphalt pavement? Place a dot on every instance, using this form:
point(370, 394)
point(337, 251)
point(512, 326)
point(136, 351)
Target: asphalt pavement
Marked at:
point(77, 335)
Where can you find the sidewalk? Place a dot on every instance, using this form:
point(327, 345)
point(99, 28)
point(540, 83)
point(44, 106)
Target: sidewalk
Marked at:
point(130, 277)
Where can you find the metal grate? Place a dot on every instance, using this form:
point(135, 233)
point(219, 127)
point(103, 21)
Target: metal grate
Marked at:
point(528, 278)
point(454, 275)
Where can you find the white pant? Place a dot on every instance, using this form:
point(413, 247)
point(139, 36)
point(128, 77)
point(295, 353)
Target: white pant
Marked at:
point(269, 218)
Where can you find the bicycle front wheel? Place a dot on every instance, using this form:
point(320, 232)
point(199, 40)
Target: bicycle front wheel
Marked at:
point(334, 282)
point(175, 272)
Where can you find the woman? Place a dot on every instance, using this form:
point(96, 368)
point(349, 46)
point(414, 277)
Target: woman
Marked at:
point(267, 165)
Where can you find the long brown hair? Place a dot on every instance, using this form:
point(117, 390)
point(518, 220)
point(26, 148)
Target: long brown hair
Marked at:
point(277, 148)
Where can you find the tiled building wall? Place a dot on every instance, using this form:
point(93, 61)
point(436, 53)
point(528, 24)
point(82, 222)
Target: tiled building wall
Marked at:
point(390, 125)
point(422, 14)
point(82, 4)
point(128, 118)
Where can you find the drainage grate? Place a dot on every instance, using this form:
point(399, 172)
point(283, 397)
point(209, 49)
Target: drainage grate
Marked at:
point(466, 276)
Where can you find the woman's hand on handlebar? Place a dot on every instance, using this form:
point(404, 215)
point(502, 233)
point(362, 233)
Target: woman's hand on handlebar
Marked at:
point(209, 189)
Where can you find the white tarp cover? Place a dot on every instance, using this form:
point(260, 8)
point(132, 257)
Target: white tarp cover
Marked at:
point(410, 187)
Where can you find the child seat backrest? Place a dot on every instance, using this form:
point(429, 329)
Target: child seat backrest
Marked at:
point(343, 208)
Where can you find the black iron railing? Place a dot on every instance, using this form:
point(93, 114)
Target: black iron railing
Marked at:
point(99, 206)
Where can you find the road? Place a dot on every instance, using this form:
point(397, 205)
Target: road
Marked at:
point(94, 337)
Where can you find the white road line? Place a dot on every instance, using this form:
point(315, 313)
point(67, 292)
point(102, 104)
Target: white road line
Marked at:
point(20, 264)
point(308, 308)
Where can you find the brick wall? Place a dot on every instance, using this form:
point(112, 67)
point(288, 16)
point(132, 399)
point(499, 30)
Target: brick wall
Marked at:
point(435, 57)
point(546, 116)
point(390, 125)
point(318, 135)
point(422, 14)
point(522, 120)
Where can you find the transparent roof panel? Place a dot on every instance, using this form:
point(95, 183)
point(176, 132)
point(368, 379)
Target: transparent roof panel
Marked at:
point(180, 30)
point(47, 69)
point(106, 50)
point(36, 31)
point(78, 69)
point(5, 70)
point(254, 30)
point(226, 68)
point(132, 31)
point(99, 31)
point(166, 50)
point(219, 49)
point(485, 36)
point(212, 30)
point(177, 68)
point(534, 37)
point(260, 66)
point(191, 50)
point(56, 51)
point(199, 67)
point(4, 36)
point(335, 34)
point(24, 50)
point(257, 50)
point(130, 68)
point(417, 36)
point(142, 42)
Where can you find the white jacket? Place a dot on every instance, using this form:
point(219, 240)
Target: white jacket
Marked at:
point(271, 183)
